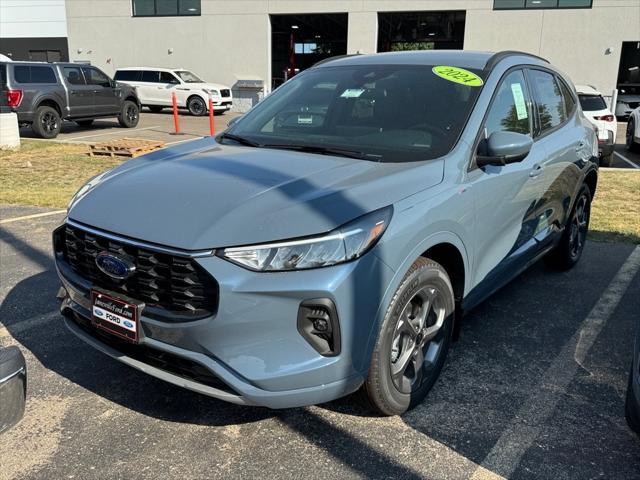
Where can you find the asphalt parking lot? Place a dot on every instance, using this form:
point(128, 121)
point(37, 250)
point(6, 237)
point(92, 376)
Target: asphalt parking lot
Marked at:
point(534, 388)
point(152, 126)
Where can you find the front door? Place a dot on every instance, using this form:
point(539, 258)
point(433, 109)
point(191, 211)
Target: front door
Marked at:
point(506, 197)
point(105, 95)
point(80, 94)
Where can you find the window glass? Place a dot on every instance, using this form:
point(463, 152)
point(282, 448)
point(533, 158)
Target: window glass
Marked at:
point(96, 77)
point(166, 7)
point(150, 76)
point(506, 4)
point(73, 75)
point(128, 75)
point(549, 101)
point(541, 3)
point(510, 110)
point(43, 75)
point(385, 113)
point(574, 3)
point(21, 74)
point(144, 7)
point(189, 77)
point(569, 99)
point(592, 103)
point(522, 4)
point(189, 7)
point(166, 77)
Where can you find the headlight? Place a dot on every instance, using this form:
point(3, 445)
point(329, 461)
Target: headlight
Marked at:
point(348, 242)
point(85, 188)
point(213, 93)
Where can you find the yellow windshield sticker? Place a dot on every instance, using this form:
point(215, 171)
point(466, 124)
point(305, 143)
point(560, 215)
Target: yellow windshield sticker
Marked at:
point(458, 75)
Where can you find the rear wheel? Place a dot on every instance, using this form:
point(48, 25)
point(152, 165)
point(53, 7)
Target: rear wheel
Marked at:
point(46, 122)
point(129, 115)
point(631, 128)
point(569, 250)
point(413, 341)
point(155, 108)
point(631, 412)
point(84, 123)
point(196, 106)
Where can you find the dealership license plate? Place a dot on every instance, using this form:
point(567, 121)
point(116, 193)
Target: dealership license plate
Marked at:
point(115, 315)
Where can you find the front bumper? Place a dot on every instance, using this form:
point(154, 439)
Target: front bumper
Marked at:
point(251, 352)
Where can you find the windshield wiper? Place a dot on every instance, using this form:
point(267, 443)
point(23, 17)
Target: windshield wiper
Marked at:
point(239, 139)
point(340, 152)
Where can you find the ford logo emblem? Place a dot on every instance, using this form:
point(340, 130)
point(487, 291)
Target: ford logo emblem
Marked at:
point(128, 324)
point(114, 266)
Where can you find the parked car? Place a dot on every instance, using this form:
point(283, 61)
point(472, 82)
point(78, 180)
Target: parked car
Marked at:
point(632, 405)
point(43, 94)
point(332, 238)
point(155, 87)
point(13, 386)
point(632, 139)
point(595, 109)
point(628, 101)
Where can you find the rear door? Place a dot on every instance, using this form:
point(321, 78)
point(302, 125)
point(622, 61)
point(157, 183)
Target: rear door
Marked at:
point(106, 97)
point(80, 94)
point(506, 197)
point(148, 90)
point(561, 133)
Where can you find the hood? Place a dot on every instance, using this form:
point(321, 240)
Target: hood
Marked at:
point(208, 86)
point(203, 195)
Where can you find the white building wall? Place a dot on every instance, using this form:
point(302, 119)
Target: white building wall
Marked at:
point(231, 39)
point(32, 18)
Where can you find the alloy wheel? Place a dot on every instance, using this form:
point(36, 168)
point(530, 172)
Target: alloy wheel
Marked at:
point(578, 227)
point(49, 122)
point(197, 107)
point(132, 114)
point(417, 339)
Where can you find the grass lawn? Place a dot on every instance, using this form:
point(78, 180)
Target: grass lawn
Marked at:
point(47, 174)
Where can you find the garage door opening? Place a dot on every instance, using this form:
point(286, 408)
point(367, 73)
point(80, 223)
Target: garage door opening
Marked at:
point(299, 41)
point(398, 31)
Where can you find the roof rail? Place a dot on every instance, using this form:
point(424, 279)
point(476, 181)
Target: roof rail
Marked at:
point(337, 57)
point(497, 57)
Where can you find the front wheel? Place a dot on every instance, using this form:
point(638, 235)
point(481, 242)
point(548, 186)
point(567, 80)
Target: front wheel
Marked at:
point(196, 106)
point(567, 253)
point(630, 144)
point(413, 341)
point(129, 115)
point(47, 122)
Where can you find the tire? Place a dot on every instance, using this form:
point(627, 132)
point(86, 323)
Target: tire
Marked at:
point(630, 144)
point(155, 108)
point(129, 115)
point(394, 385)
point(606, 160)
point(631, 412)
point(197, 106)
point(84, 123)
point(569, 250)
point(46, 122)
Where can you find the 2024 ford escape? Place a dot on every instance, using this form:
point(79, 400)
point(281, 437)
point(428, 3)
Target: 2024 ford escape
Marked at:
point(332, 237)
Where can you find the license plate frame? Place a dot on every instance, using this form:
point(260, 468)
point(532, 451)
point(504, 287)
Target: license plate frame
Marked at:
point(116, 315)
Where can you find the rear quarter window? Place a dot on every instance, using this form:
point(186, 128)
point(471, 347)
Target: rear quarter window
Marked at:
point(34, 74)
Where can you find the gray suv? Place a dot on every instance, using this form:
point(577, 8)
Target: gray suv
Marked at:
point(44, 94)
point(333, 237)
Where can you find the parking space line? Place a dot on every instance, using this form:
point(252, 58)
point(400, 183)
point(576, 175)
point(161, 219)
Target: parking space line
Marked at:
point(112, 133)
point(35, 215)
point(627, 160)
point(20, 327)
point(520, 434)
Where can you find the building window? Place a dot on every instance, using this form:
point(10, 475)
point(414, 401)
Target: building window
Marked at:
point(534, 4)
point(165, 8)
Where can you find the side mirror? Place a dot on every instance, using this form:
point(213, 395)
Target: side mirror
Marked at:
point(13, 386)
point(233, 121)
point(113, 84)
point(502, 148)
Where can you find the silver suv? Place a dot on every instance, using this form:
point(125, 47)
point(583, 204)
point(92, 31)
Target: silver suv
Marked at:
point(44, 94)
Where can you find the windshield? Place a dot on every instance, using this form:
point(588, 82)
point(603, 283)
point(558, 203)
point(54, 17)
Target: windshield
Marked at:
point(388, 113)
point(188, 77)
point(592, 103)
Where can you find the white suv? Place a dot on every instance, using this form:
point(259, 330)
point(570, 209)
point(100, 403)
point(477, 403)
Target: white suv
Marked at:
point(596, 110)
point(156, 85)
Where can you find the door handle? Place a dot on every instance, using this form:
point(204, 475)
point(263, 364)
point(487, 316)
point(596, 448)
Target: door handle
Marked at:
point(536, 170)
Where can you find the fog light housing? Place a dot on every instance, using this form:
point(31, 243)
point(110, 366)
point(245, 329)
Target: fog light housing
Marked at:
point(318, 324)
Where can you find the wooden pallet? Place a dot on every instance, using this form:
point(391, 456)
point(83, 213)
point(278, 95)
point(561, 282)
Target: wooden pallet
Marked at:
point(126, 147)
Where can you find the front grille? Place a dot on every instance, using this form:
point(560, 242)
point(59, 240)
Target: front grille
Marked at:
point(175, 287)
point(225, 92)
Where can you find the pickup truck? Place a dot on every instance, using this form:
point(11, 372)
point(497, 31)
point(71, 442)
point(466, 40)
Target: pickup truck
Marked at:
point(43, 94)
